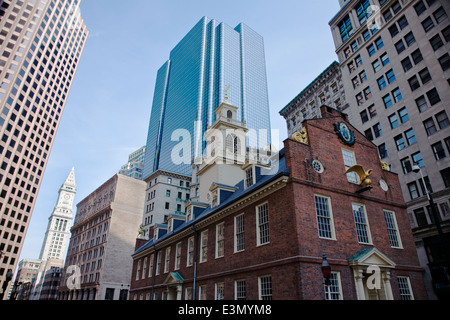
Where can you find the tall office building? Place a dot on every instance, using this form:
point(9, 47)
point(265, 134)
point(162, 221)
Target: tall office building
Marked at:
point(396, 70)
point(41, 43)
point(212, 61)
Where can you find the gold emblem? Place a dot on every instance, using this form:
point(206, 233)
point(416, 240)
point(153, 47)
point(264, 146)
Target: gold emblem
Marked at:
point(363, 175)
point(301, 136)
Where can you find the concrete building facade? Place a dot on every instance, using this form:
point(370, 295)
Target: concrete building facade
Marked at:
point(395, 65)
point(98, 264)
point(326, 89)
point(166, 193)
point(41, 43)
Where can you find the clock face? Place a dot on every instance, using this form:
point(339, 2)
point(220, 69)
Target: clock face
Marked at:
point(344, 132)
point(384, 185)
point(66, 197)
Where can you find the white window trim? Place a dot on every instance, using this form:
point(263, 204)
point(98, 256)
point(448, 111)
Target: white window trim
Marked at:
point(333, 230)
point(178, 249)
point(338, 275)
point(409, 285)
point(202, 238)
point(167, 260)
point(188, 264)
point(260, 287)
point(397, 230)
point(369, 234)
point(235, 233)
point(258, 233)
point(356, 178)
point(217, 241)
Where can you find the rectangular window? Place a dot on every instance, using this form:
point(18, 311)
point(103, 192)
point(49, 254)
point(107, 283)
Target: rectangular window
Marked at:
point(421, 103)
point(150, 266)
point(390, 76)
point(361, 223)
point(262, 224)
point(410, 136)
point(204, 246)
point(220, 240)
point(324, 217)
point(392, 229)
point(387, 101)
point(350, 161)
point(407, 64)
point(397, 95)
point(400, 142)
point(428, 24)
point(239, 239)
point(178, 256)
point(167, 260)
point(240, 290)
point(158, 263)
point(249, 177)
point(433, 96)
point(345, 27)
point(404, 116)
point(382, 150)
point(190, 252)
point(219, 291)
point(405, 288)
point(334, 291)
point(393, 120)
point(418, 159)
point(265, 288)
point(382, 83)
point(442, 120)
point(438, 150)
point(430, 127)
point(406, 165)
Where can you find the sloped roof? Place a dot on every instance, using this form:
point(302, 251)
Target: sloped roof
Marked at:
point(241, 192)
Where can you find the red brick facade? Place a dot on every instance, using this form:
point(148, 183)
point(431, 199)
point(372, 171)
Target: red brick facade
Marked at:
point(289, 265)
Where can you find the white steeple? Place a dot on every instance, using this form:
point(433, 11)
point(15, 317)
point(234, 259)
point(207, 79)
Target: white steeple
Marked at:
point(60, 221)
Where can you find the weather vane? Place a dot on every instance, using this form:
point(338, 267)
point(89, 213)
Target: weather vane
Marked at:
point(226, 93)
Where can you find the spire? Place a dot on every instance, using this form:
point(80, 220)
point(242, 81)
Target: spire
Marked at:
point(70, 181)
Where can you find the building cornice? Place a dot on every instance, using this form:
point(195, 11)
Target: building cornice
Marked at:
point(190, 229)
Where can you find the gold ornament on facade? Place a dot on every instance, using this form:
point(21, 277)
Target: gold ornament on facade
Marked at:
point(301, 136)
point(363, 175)
point(385, 166)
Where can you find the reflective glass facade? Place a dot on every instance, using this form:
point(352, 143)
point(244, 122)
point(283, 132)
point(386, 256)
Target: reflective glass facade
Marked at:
point(191, 85)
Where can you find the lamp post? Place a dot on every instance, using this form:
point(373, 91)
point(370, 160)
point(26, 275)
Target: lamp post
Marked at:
point(326, 271)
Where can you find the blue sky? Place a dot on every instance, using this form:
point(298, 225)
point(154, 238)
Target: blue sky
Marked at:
point(108, 109)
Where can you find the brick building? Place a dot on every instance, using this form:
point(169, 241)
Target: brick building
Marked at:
point(265, 237)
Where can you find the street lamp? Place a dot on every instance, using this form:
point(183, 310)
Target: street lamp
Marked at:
point(326, 270)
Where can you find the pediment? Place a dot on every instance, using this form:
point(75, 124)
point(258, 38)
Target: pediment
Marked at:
point(371, 257)
point(173, 278)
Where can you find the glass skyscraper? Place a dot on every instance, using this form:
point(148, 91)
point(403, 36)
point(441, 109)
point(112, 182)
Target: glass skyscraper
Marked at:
point(211, 60)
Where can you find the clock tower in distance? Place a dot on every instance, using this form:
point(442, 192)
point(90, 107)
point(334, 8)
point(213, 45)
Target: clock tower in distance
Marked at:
point(60, 222)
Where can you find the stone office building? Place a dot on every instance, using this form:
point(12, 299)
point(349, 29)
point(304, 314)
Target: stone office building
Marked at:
point(98, 263)
point(395, 62)
point(265, 236)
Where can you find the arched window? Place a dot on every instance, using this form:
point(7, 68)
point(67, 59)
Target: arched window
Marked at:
point(233, 144)
point(229, 114)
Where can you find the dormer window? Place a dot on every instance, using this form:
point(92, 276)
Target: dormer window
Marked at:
point(189, 214)
point(214, 201)
point(249, 177)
